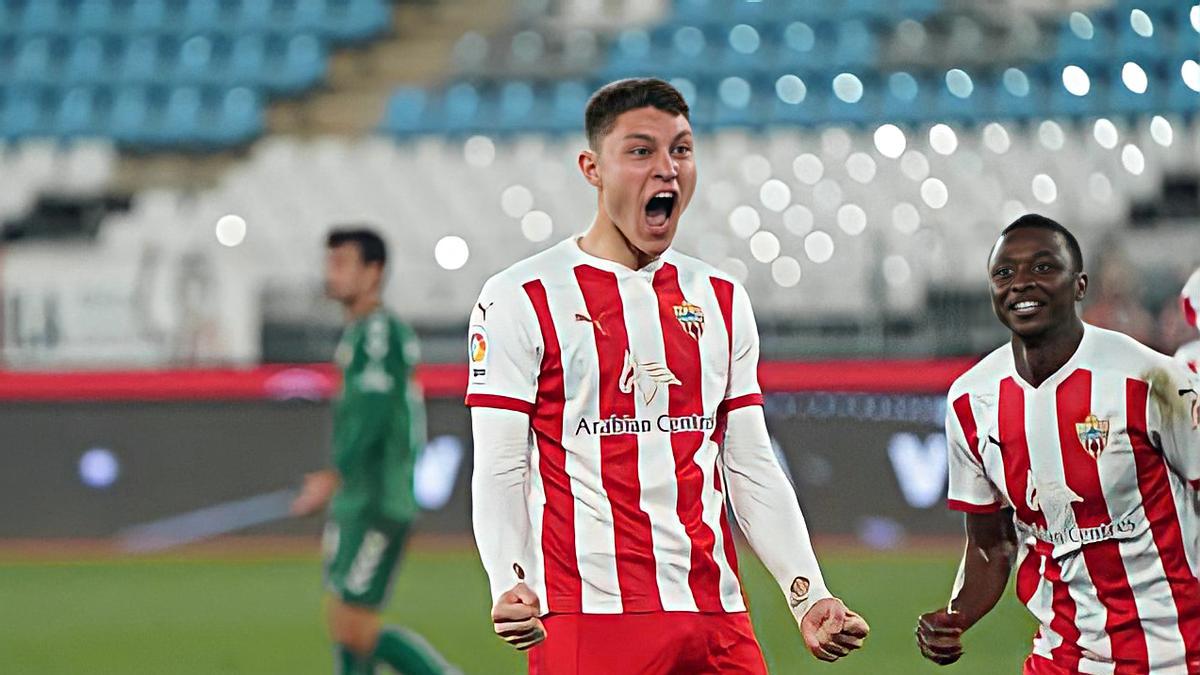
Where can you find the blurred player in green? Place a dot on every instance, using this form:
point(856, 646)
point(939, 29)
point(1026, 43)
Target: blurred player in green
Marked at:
point(378, 429)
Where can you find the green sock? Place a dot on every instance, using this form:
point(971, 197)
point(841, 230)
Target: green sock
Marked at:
point(409, 653)
point(347, 662)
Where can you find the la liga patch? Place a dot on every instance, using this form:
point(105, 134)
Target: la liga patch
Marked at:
point(477, 353)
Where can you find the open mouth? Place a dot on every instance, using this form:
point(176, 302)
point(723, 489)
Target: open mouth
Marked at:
point(1026, 307)
point(660, 207)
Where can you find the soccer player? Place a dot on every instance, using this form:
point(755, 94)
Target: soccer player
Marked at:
point(615, 403)
point(378, 429)
point(1189, 298)
point(1073, 449)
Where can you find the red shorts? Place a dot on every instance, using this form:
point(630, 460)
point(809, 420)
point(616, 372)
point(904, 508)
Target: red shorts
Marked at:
point(660, 643)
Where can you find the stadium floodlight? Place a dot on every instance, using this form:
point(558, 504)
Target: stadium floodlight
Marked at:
point(744, 221)
point(479, 152)
point(890, 141)
point(1044, 189)
point(1132, 159)
point(860, 167)
point(1081, 26)
point(1191, 74)
point(1134, 77)
point(995, 137)
point(786, 271)
point(827, 194)
point(1140, 21)
point(852, 219)
point(1105, 133)
point(451, 252)
point(896, 270)
point(1100, 187)
point(942, 139)
point(1051, 135)
point(775, 195)
point(914, 165)
point(959, 83)
point(537, 226)
point(735, 268)
point(848, 88)
point(744, 39)
point(516, 201)
point(1076, 80)
point(935, 193)
point(791, 89)
point(1016, 82)
point(1161, 132)
point(798, 219)
point(905, 218)
point(808, 168)
point(818, 246)
point(764, 246)
point(231, 230)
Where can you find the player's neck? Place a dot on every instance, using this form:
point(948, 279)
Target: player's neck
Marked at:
point(604, 240)
point(1037, 358)
point(362, 306)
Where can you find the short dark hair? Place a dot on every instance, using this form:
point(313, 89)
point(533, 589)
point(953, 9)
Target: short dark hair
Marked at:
point(1040, 222)
point(370, 245)
point(614, 98)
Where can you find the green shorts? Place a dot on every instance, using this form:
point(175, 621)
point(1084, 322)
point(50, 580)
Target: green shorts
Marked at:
point(361, 559)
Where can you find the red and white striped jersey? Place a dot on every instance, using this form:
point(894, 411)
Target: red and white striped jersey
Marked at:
point(1100, 465)
point(626, 376)
point(1189, 356)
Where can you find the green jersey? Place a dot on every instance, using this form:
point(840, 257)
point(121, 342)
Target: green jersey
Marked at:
point(378, 422)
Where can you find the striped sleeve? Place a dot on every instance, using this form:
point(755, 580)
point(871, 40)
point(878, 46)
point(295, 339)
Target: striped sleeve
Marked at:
point(742, 330)
point(503, 349)
point(970, 490)
point(1171, 400)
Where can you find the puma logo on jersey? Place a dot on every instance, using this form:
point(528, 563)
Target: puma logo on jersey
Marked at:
point(483, 310)
point(584, 318)
point(645, 377)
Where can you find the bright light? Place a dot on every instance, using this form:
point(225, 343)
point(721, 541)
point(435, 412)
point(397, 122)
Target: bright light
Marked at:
point(943, 139)
point(1011, 210)
point(896, 270)
point(1081, 26)
point(1133, 160)
point(808, 168)
point(798, 220)
point(890, 141)
point(1141, 23)
point(744, 39)
point(995, 137)
point(827, 194)
point(537, 226)
point(934, 192)
point(1076, 80)
point(735, 268)
point(775, 195)
point(852, 219)
point(744, 221)
point(516, 201)
point(1134, 77)
point(756, 169)
point(914, 165)
point(818, 246)
point(479, 151)
point(790, 89)
point(906, 218)
point(1100, 187)
point(836, 142)
point(1195, 16)
point(860, 167)
point(848, 87)
point(786, 271)
point(1051, 135)
point(764, 246)
point(1044, 189)
point(1191, 74)
point(1016, 82)
point(734, 92)
point(959, 83)
point(99, 468)
point(231, 230)
point(451, 252)
point(1161, 132)
point(1106, 133)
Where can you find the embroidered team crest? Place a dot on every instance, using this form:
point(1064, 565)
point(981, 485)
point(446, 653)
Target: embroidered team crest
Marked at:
point(691, 318)
point(1093, 435)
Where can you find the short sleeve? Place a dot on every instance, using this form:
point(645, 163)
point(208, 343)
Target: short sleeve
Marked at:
point(503, 349)
point(1171, 395)
point(970, 489)
point(743, 387)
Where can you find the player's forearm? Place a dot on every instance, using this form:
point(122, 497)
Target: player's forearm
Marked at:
point(765, 505)
point(500, 515)
point(986, 566)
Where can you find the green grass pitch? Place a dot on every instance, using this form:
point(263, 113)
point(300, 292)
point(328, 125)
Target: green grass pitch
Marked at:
point(261, 616)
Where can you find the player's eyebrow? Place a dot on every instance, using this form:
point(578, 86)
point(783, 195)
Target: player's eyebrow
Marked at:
point(639, 137)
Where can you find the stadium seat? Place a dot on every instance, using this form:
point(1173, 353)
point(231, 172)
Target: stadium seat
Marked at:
point(1075, 50)
point(93, 17)
point(202, 16)
point(21, 116)
point(77, 114)
point(195, 60)
point(303, 64)
point(460, 107)
point(148, 16)
point(43, 17)
point(566, 113)
point(182, 118)
point(34, 62)
point(238, 119)
point(129, 118)
point(140, 63)
point(514, 109)
point(87, 63)
point(406, 111)
point(906, 99)
point(248, 60)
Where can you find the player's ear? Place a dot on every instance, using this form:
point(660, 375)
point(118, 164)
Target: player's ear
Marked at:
point(1081, 286)
point(589, 168)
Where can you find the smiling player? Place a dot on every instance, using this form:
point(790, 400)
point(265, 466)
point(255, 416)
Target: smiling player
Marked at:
point(615, 403)
point(1074, 450)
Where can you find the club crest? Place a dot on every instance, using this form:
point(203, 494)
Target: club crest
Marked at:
point(1093, 435)
point(691, 318)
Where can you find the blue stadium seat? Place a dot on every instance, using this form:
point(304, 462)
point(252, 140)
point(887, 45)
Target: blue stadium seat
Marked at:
point(701, 11)
point(202, 16)
point(906, 99)
point(898, 10)
point(248, 60)
point(77, 114)
point(803, 47)
point(407, 111)
point(1073, 49)
point(359, 20)
point(182, 118)
point(951, 108)
point(34, 61)
point(513, 109)
point(140, 61)
point(87, 63)
point(566, 111)
point(195, 60)
point(303, 64)
point(238, 119)
point(94, 17)
point(629, 55)
point(21, 115)
point(1181, 98)
point(1004, 103)
point(42, 17)
point(856, 46)
point(743, 109)
point(129, 117)
point(1122, 101)
point(147, 16)
point(1063, 103)
point(255, 17)
point(1130, 46)
point(460, 108)
point(311, 16)
point(744, 51)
